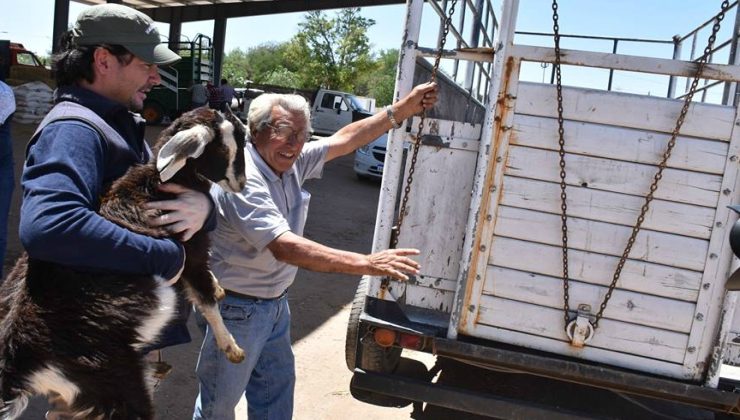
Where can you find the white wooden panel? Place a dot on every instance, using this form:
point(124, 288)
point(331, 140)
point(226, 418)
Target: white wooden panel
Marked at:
point(437, 283)
point(626, 110)
point(663, 216)
point(595, 354)
point(604, 238)
point(437, 209)
point(625, 306)
point(614, 175)
point(428, 298)
point(638, 276)
point(612, 335)
point(627, 144)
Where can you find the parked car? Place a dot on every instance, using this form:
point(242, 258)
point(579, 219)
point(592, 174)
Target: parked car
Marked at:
point(369, 159)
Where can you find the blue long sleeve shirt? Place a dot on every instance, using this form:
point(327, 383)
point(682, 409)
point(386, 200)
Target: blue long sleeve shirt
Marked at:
point(66, 171)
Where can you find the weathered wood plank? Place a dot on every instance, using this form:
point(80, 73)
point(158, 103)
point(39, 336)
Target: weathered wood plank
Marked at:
point(614, 175)
point(429, 298)
point(594, 354)
point(626, 110)
point(626, 62)
point(625, 306)
point(611, 335)
point(603, 238)
point(437, 209)
point(638, 276)
point(663, 216)
point(639, 146)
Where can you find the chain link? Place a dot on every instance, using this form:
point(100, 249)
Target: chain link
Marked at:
point(417, 137)
point(701, 63)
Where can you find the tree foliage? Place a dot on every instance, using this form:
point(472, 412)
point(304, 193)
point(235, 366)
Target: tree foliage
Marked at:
point(379, 83)
point(328, 51)
point(332, 52)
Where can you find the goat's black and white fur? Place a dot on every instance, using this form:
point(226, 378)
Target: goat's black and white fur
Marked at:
point(78, 336)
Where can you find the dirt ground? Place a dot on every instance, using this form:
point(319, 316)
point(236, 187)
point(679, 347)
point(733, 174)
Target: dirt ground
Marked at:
point(342, 215)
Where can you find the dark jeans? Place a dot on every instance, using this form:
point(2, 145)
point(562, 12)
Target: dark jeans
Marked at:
point(7, 183)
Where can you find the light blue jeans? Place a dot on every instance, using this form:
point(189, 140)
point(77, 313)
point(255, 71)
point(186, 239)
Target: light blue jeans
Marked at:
point(267, 375)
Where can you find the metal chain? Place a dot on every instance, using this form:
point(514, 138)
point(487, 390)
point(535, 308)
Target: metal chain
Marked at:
point(701, 63)
point(417, 137)
point(561, 152)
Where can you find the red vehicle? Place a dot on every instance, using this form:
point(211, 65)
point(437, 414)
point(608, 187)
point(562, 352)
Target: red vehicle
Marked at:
point(18, 65)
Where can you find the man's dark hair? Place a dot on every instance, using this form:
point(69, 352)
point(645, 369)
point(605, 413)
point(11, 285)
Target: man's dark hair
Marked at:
point(224, 81)
point(74, 62)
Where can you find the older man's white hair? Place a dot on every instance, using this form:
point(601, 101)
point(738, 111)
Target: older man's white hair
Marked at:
point(260, 110)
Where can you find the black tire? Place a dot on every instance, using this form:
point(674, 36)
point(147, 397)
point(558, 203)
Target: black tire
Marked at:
point(374, 358)
point(153, 113)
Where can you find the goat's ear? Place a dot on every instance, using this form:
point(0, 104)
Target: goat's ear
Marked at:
point(185, 144)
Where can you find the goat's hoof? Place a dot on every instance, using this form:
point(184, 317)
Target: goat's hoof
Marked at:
point(220, 294)
point(235, 354)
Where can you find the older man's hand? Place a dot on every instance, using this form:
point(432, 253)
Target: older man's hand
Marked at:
point(423, 96)
point(184, 215)
point(394, 263)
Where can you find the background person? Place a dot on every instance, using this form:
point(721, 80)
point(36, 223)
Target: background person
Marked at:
point(199, 95)
point(215, 96)
point(258, 247)
point(228, 92)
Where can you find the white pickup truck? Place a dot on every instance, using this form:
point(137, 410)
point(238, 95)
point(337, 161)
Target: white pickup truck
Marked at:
point(485, 209)
point(330, 109)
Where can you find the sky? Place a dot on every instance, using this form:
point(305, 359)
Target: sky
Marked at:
point(655, 19)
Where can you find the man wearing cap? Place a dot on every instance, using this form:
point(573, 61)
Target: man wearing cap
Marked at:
point(107, 65)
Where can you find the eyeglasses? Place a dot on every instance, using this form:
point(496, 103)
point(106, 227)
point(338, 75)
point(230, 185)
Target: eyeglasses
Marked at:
point(285, 133)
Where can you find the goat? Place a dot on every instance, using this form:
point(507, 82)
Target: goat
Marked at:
point(79, 336)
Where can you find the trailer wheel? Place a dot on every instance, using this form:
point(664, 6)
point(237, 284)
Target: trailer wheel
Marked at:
point(153, 113)
point(374, 358)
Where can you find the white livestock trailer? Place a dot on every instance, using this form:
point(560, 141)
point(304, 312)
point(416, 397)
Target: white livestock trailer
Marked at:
point(485, 209)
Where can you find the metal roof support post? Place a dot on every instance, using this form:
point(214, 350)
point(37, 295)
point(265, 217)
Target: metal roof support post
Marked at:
point(173, 37)
point(461, 314)
point(219, 41)
point(61, 17)
point(677, 43)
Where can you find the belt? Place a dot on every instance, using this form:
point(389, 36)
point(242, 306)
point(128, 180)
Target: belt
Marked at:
point(250, 297)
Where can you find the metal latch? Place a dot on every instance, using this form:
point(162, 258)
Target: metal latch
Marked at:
point(580, 330)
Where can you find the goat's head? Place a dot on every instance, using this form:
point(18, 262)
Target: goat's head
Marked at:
point(210, 141)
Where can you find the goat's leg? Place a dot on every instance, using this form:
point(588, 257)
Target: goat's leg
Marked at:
point(203, 291)
point(224, 339)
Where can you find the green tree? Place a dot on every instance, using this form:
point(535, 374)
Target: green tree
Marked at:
point(331, 52)
point(258, 64)
point(380, 82)
point(234, 67)
point(282, 77)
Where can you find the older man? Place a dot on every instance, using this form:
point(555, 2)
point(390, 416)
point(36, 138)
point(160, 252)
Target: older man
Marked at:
point(258, 247)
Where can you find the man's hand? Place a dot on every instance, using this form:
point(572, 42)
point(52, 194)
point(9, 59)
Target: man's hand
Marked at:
point(393, 262)
point(422, 97)
point(184, 215)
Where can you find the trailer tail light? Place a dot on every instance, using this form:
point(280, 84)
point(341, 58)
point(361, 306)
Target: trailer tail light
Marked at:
point(384, 337)
point(410, 341)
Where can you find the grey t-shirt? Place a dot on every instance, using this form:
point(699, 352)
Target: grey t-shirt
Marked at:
point(267, 207)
